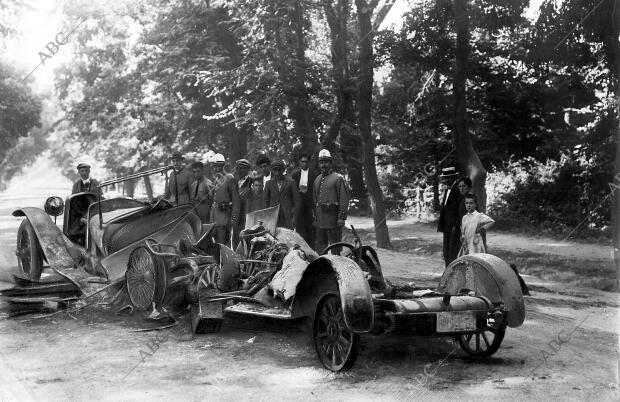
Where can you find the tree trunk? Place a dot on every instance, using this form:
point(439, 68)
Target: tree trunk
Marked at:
point(612, 52)
point(343, 123)
point(364, 15)
point(467, 158)
point(300, 102)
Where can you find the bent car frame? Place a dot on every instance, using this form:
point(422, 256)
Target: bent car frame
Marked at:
point(166, 260)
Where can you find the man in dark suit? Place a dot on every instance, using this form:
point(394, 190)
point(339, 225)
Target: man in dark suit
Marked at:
point(244, 186)
point(281, 190)
point(304, 178)
point(449, 216)
point(85, 184)
point(180, 181)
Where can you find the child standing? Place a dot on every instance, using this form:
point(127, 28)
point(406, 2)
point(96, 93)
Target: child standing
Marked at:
point(473, 223)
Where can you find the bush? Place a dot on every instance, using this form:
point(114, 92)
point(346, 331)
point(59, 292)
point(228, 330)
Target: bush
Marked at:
point(552, 197)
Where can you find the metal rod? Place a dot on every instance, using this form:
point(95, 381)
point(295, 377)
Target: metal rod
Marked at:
point(135, 176)
point(100, 214)
point(176, 186)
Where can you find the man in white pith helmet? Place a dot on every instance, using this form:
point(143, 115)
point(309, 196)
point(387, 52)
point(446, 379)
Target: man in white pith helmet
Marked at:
point(226, 202)
point(331, 204)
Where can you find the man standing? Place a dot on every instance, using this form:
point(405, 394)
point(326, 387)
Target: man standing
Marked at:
point(449, 217)
point(177, 191)
point(304, 178)
point(331, 197)
point(226, 203)
point(264, 164)
point(85, 184)
point(200, 192)
point(244, 186)
point(281, 190)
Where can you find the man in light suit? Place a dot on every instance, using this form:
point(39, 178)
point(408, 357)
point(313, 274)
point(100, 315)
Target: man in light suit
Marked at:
point(226, 202)
point(281, 190)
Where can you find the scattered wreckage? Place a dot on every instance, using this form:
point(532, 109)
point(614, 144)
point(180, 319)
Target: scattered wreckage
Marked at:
point(162, 258)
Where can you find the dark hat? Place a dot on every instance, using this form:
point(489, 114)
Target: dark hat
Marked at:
point(448, 172)
point(177, 156)
point(244, 162)
point(278, 163)
point(262, 159)
point(83, 165)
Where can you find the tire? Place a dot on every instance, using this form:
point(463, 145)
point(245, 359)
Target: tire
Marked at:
point(146, 278)
point(336, 346)
point(478, 344)
point(29, 252)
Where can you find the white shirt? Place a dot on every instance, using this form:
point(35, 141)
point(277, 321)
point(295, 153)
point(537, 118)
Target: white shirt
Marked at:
point(303, 179)
point(240, 183)
point(267, 178)
point(85, 182)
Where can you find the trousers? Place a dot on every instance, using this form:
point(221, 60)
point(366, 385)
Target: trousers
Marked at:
point(324, 237)
point(451, 245)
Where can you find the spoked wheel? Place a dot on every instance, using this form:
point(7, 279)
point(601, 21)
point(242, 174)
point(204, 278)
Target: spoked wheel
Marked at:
point(29, 253)
point(482, 343)
point(336, 346)
point(146, 278)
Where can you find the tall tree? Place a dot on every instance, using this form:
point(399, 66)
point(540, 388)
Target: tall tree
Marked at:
point(366, 63)
point(467, 157)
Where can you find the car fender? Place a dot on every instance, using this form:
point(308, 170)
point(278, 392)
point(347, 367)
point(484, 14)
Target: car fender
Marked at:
point(330, 274)
point(488, 276)
point(52, 241)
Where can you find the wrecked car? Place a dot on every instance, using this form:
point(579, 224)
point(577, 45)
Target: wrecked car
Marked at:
point(162, 259)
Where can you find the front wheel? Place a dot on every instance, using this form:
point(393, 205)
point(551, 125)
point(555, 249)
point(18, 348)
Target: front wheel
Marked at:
point(29, 252)
point(482, 343)
point(336, 346)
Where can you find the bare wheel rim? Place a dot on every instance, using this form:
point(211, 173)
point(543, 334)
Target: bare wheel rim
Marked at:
point(140, 277)
point(28, 251)
point(482, 343)
point(336, 346)
point(24, 251)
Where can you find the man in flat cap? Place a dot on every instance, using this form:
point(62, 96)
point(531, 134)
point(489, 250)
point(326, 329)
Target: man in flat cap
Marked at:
point(304, 178)
point(244, 186)
point(177, 191)
point(226, 202)
point(331, 204)
point(449, 219)
point(85, 184)
point(201, 192)
point(281, 190)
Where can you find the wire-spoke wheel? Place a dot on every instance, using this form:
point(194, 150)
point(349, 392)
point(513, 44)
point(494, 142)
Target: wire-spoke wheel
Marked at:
point(146, 278)
point(482, 343)
point(29, 252)
point(336, 346)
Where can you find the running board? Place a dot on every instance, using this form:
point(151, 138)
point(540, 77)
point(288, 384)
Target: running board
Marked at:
point(258, 310)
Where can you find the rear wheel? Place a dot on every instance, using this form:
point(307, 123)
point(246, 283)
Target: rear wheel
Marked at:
point(29, 252)
point(146, 278)
point(336, 346)
point(482, 343)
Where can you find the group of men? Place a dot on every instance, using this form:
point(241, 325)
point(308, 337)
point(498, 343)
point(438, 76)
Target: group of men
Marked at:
point(315, 205)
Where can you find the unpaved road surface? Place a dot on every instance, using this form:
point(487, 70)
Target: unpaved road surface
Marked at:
point(567, 349)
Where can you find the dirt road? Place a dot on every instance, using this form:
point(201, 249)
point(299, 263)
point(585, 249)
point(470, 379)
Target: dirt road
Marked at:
point(567, 349)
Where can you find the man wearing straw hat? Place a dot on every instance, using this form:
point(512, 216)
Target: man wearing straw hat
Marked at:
point(449, 219)
point(226, 202)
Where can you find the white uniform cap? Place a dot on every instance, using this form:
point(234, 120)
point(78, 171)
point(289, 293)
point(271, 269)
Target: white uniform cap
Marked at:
point(218, 158)
point(324, 154)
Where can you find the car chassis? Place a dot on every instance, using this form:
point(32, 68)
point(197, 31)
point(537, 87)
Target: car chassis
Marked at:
point(272, 273)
